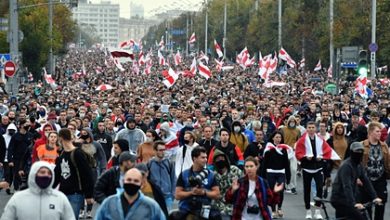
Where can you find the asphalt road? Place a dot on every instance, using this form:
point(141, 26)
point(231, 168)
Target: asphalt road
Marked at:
point(293, 206)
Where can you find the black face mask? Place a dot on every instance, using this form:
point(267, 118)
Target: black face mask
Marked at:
point(186, 141)
point(11, 118)
point(43, 181)
point(356, 157)
point(131, 189)
point(220, 164)
point(26, 127)
point(84, 137)
point(11, 133)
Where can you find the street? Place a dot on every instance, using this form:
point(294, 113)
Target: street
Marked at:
point(293, 206)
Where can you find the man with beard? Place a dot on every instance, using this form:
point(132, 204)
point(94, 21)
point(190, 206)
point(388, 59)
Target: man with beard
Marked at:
point(104, 139)
point(109, 181)
point(133, 135)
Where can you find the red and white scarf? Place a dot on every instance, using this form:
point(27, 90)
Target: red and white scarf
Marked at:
point(304, 148)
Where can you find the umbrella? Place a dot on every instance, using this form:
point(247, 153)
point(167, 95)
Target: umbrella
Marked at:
point(104, 87)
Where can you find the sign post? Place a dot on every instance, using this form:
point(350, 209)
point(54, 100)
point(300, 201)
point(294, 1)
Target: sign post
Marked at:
point(9, 68)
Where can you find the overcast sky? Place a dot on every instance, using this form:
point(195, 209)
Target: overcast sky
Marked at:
point(152, 5)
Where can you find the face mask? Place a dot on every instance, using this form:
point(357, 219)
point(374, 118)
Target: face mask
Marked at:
point(11, 133)
point(186, 141)
point(220, 164)
point(43, 181)
point(356, 157)
point(131, 189)
point(11, 118)
point(26, 127)
point(131, 128)
point(149, 139)
point(84, 137)
point(291, 124)
point(237, 129)
point(82, 115)
point(187, 124)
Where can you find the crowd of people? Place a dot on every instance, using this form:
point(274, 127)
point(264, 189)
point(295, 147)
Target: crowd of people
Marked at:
point(227, 147)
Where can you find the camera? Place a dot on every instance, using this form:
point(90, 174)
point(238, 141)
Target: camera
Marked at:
point(197, 180)
point(253, 209)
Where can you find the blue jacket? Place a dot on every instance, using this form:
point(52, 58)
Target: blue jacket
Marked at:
point(143, 208)
point(162, 173)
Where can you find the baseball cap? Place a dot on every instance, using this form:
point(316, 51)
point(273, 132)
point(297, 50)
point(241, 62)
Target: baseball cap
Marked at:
point(356, 146)
point(127, 156)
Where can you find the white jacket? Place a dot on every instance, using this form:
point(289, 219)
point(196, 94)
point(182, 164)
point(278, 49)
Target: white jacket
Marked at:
point(38, 204)
point(185, 164)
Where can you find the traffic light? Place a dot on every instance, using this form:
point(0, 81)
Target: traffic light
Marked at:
point(362, 67)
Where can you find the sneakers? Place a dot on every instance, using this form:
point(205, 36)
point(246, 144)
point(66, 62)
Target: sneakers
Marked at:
point(280, 213)
point(317, 214)
point(275, 215)
point(89, 215)
point(294, 191)
point(289, 191)
point(82, 214)
point(308, 214)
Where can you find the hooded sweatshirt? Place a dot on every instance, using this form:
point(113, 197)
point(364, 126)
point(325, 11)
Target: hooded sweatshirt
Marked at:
point(7, 139)
point(97, 153)
point(135, 136)
point(48, 203)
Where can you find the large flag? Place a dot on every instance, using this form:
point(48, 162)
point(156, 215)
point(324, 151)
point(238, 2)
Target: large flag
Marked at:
point(118, 64)
point(361, 86)
point(122, 54)
point(242, 57)
point(273, 64)
point(264, 65)
point(128, 43)
point(302, 63)
point(193, 67)
point(204, 57)
point(161, 59)
point(204, 70)
point(49, 79)
point(141, 58)
point(305, 149)
point(218, 49)
point(177, 58)
point(286, 57)
point(318, 66)
point(192, 39)
point(170, 77)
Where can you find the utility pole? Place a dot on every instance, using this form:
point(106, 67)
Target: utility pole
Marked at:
point(224, 29)
point(187, 35)
point(13, 42)
point(331, 50)
point(51, 65)
point(280, 24)
point(205, 32)
point(373, 38)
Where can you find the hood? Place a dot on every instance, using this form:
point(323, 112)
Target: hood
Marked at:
point(11, 126)
point(129, 119)
point(235, 123)
point(291, 118)
point(89, 133)
point(32, 185)
point(219, 153)
point(335, 127)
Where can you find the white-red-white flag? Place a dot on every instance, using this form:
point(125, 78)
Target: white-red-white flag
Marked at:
point(204, 70)
point(249, 62)
point(263, 67)
point(318, 66)
point(141, 58)
point(204, 57)
point(118, 64)
point(218, 49)
point(128, 43)
point(170, 77)
point(273, 64)
point(122, 54)
point(302, 63)
point(219, 65)
point(242, 57)
point(330, 72)
point(161, 59)
point(361, 86)
point(286, 57)
point(49, 79)
point(192, 38)
point(161, 45)
point(177, 58)
point(193, 67)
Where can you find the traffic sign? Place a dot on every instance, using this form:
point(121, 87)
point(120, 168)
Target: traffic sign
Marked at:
point(373, 47)
point(3, 59)
point(9, 68)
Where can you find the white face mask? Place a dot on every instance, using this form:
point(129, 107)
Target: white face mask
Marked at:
point(149, 139)
point(237, 129)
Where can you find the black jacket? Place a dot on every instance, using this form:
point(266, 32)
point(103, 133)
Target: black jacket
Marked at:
point(208, 144)
point(107, 184)
point(344, 185)
point(106, 141)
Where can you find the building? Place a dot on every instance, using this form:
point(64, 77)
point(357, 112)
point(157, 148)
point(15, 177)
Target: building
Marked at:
point(134, 28)
point(136, 11)
point(103, 19)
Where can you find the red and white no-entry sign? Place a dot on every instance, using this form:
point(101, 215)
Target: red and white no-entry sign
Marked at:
point(9, 68)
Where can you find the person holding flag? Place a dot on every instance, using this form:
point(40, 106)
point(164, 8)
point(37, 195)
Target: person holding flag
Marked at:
point(311, 150)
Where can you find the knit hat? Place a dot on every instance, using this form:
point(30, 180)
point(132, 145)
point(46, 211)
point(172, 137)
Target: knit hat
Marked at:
point(125, 156)
point(123, 144)
point(356, 146)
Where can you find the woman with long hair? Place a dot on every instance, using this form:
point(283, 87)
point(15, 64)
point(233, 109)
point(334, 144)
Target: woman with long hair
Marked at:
point(49, 152)
point(276, 167)
point(251, 194)
point(146, 151)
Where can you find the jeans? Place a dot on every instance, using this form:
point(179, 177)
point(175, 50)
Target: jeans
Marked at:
point(169, 202)
point(76, 201)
